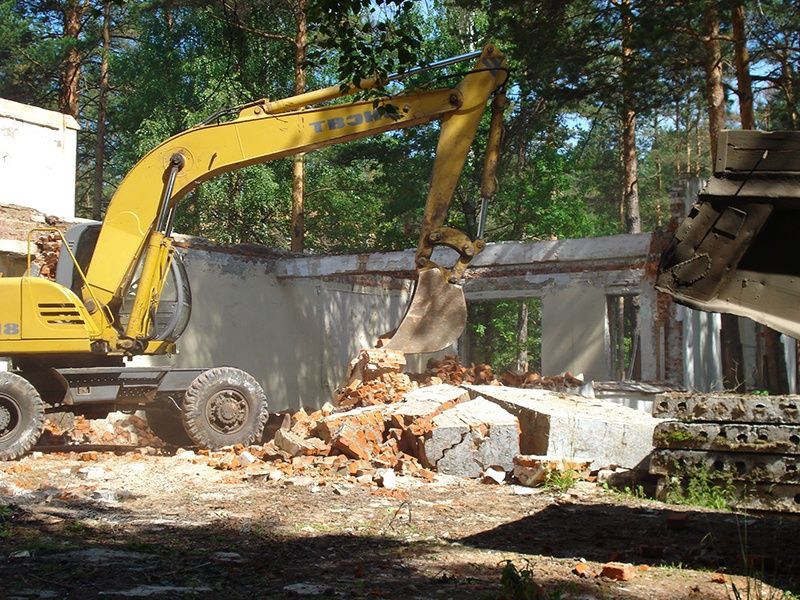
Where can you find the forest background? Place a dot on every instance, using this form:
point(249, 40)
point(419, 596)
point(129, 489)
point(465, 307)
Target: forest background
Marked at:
point(611, 102)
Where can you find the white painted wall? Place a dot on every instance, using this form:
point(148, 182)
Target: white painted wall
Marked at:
point(37, 158)
point(574, 332)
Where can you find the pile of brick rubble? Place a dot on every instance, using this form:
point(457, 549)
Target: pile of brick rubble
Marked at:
point(384, 422)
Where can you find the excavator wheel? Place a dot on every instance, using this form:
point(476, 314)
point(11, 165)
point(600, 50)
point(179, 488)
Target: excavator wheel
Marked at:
point(167, 424)
point(21, 416)
point(224, 406)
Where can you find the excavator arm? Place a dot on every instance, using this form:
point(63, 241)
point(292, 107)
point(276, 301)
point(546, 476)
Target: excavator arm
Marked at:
point(136, 231)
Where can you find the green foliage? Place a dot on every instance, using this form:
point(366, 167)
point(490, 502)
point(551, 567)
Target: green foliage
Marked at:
point(561, 481)
point(6, 513)
point(494, 338)
point(698, 486)
point(519, 584)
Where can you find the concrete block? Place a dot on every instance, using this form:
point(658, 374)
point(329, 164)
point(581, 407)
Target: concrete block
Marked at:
point(426, 402)
point(558, 426)
point(768, 496)
point(774, 497)
point(742, 466)
point(728, 407)
point(734, 437)
point(470, 437)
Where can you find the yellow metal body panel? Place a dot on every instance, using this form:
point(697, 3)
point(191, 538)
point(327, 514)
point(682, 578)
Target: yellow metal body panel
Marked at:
point(49, 318)
point(51, 311)
point(10, 310)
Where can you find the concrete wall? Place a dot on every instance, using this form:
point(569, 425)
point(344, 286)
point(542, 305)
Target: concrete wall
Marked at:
point(574, 332)
point(295, 335)
point(37, 158)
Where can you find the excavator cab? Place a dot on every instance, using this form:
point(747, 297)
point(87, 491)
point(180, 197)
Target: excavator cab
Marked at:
point(736, 251)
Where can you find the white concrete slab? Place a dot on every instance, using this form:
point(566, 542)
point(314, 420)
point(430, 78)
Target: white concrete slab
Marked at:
point(563, 426)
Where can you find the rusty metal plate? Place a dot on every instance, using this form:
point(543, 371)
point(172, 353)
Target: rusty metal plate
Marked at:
point(435, 318)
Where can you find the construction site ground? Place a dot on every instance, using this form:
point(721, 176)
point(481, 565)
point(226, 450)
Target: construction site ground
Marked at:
point(99, 524)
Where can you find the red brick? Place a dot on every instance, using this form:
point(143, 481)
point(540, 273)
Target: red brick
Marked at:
point(618, 571)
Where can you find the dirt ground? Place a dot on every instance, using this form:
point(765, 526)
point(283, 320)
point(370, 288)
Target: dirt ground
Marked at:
point(128, 524)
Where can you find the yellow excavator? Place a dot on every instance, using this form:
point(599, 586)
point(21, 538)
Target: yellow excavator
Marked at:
point(67, 339)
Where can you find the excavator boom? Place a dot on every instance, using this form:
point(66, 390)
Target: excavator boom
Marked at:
point(137, 227)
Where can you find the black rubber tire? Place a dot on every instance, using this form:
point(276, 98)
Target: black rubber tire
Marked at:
point(167, 424)
point(222, 387)
point(22, 403)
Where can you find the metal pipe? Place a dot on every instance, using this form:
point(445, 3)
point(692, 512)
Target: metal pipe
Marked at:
point(176, 163)
point(439, 64)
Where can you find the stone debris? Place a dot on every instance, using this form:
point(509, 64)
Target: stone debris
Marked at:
point(376, 377)
point(124, 430)
point(45, 259)
point(493, 475)
point(383, 420)
point(582, 570)
point(748, 444)
point(531, 470)
point(470, 437)
point(558, 425)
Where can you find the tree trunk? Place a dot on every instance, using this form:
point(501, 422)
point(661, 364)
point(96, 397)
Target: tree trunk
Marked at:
point(522, 337)
point(715, 94)
point(787, 84)
point(100, 140)
point(298, 165)
point(68, 95)
point(742, 61)
point(633, 219)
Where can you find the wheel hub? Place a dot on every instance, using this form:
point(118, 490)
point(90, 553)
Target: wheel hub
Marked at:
point(227, 411)
point(9, 415)
point(5, 417)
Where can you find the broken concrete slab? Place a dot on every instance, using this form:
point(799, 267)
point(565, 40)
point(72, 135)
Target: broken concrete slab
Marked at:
point(426, 402)
point(470, 437)
point(296, 445)
point(738, 465)
point(734, 437)
point(767, 496)
point(728, 407)
point(557, 425)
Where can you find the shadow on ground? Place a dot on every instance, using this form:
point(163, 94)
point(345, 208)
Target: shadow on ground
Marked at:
point(755, 545)
point(80, 550)
point(77, 549)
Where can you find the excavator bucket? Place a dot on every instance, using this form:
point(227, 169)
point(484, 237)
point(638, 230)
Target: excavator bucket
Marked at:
point(434, 319)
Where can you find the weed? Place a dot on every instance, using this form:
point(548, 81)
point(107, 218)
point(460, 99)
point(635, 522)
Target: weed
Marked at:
point(698, 486)
point(77, 527)
point(755, 589)
point(561, 480)
point(679, 436)
point(5, 516)
point(519, 584)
